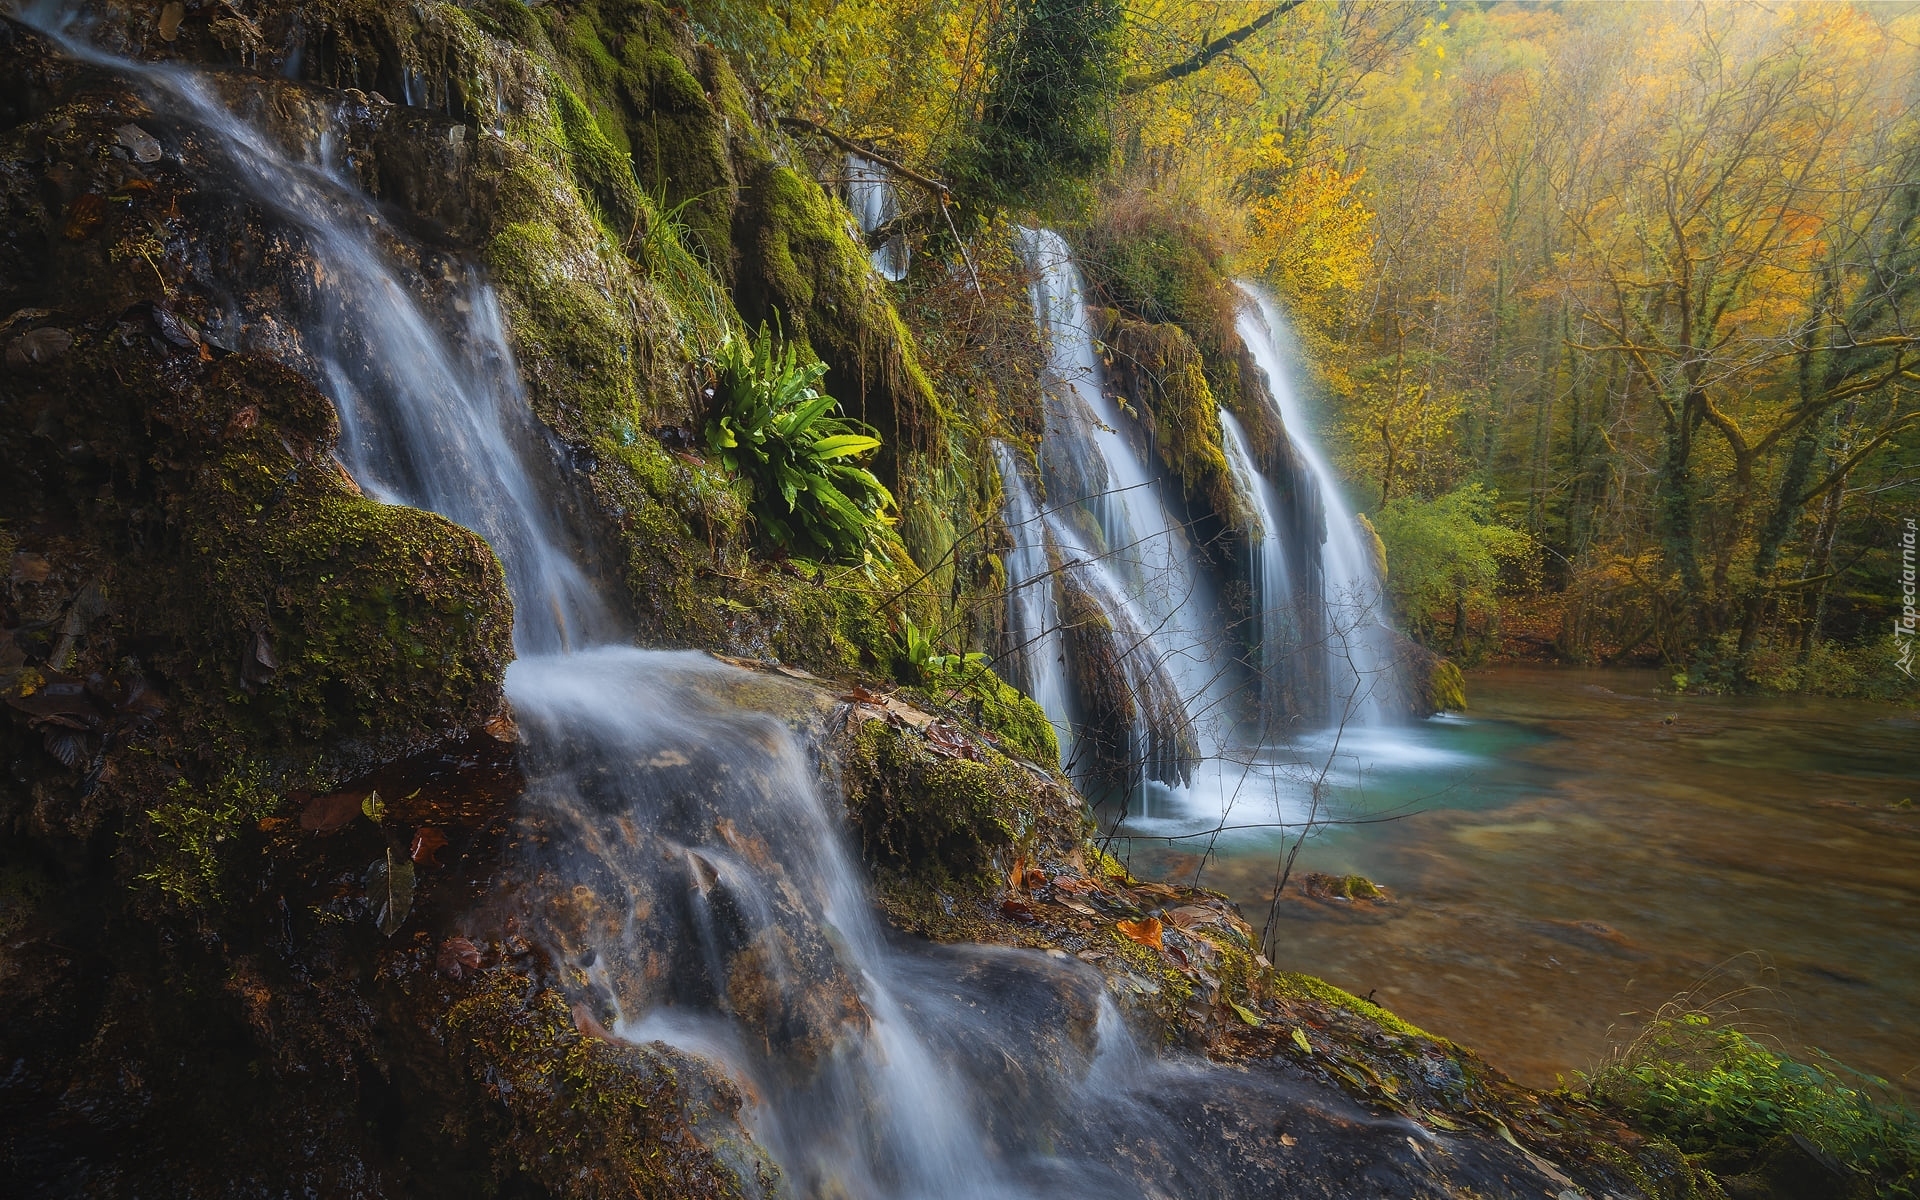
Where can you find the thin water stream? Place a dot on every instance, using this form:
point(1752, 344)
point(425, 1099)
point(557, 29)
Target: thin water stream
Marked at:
point(1577, 848)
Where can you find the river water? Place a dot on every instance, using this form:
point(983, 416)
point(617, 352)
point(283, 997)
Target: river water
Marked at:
point(1577, 848)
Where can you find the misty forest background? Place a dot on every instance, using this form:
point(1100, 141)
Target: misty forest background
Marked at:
point(1610, 308)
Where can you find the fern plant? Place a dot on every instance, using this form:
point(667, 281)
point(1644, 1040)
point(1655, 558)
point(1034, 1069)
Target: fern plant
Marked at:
point(772, 426)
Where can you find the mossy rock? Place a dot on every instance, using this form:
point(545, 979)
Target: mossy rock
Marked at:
point(639, 72)
point(1158, 370)
point(931, 819)
point(801, 271)
point(589, 1117)
point(1432, 684)
point(238, 561)
point(982, 699)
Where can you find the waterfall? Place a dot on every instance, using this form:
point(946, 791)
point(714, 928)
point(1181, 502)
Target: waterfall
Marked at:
point(430, 419)
point(1361, 676)
point(1121, 542)
point(871, 196)
point(1037, 653)
point(1276, 624)
point(1108, 539)
point(689, 875)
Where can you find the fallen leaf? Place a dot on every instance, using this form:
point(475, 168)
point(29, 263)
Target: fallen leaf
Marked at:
point(1146, 931)
point(1287, 1139)
point(170, 18)
point(457, 956)
point(38, 346)
point(325, 814)
point(1246, 1014)
point(84, 215)
point(500, 728)
point(390, 891)
point(1176, 954)
point(263, 652)
point(374, 807)
point(30, 568)
point(588, 1024)
point(1019, 910)
point(427, 842)
point(1300, 1040)
point(175, 329)
point(241, 421)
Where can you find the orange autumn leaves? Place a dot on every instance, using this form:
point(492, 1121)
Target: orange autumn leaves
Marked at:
point(1145, 931)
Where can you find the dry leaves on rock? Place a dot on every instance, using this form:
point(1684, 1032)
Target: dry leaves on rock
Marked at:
point(457, 956)
point(427, 842)
point(326, 814)
point(1146, 931)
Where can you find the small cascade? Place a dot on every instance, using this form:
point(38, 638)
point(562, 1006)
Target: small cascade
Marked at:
point(430, 417)
point(1362, 680)
point(1037, 652)
point(1119, 540)
point(1277, 624)
point(874, 203)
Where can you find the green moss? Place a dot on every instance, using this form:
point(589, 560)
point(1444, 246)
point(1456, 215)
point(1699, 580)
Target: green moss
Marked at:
point(193, 830)
point(360, 619)
point(1290, 983)
point(978, 695)
point(939, 819)
point(255, 606)
point(1158, 369)
point(634, 64)
point(586, 1117)
point(802, 271)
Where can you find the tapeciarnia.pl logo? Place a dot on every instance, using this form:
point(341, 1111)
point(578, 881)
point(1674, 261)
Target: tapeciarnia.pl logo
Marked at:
point(1904, 624)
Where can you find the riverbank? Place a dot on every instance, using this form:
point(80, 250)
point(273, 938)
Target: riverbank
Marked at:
point(1580, 846)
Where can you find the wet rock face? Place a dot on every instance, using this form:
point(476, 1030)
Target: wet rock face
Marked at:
point(178, 519)
point(1134, 724)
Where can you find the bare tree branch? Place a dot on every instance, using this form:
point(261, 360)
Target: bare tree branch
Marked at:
point(1199, 59)
point(865, 151)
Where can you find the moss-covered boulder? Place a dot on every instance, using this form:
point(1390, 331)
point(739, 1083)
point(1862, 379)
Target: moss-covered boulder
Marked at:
point(1132, 722)
point(588, 1115)
point(1158, 370)
point(800, 268)
point(939, 812)
point(182, 518)
point(1429, 682)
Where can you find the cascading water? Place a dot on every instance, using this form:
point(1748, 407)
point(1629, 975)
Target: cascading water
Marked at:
point(1039, 655)
point(1361, 675)
point(874, 203)
point(723, 914)
point(432, 420)
point(1277, 624)
point(1117, 535)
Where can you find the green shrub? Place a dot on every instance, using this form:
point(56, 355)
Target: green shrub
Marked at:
point(1444, 556)
point(1867, 670)
point(772, 426)
point(1716, 1092)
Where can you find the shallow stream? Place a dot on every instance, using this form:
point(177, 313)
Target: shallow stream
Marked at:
point(1578, 848)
